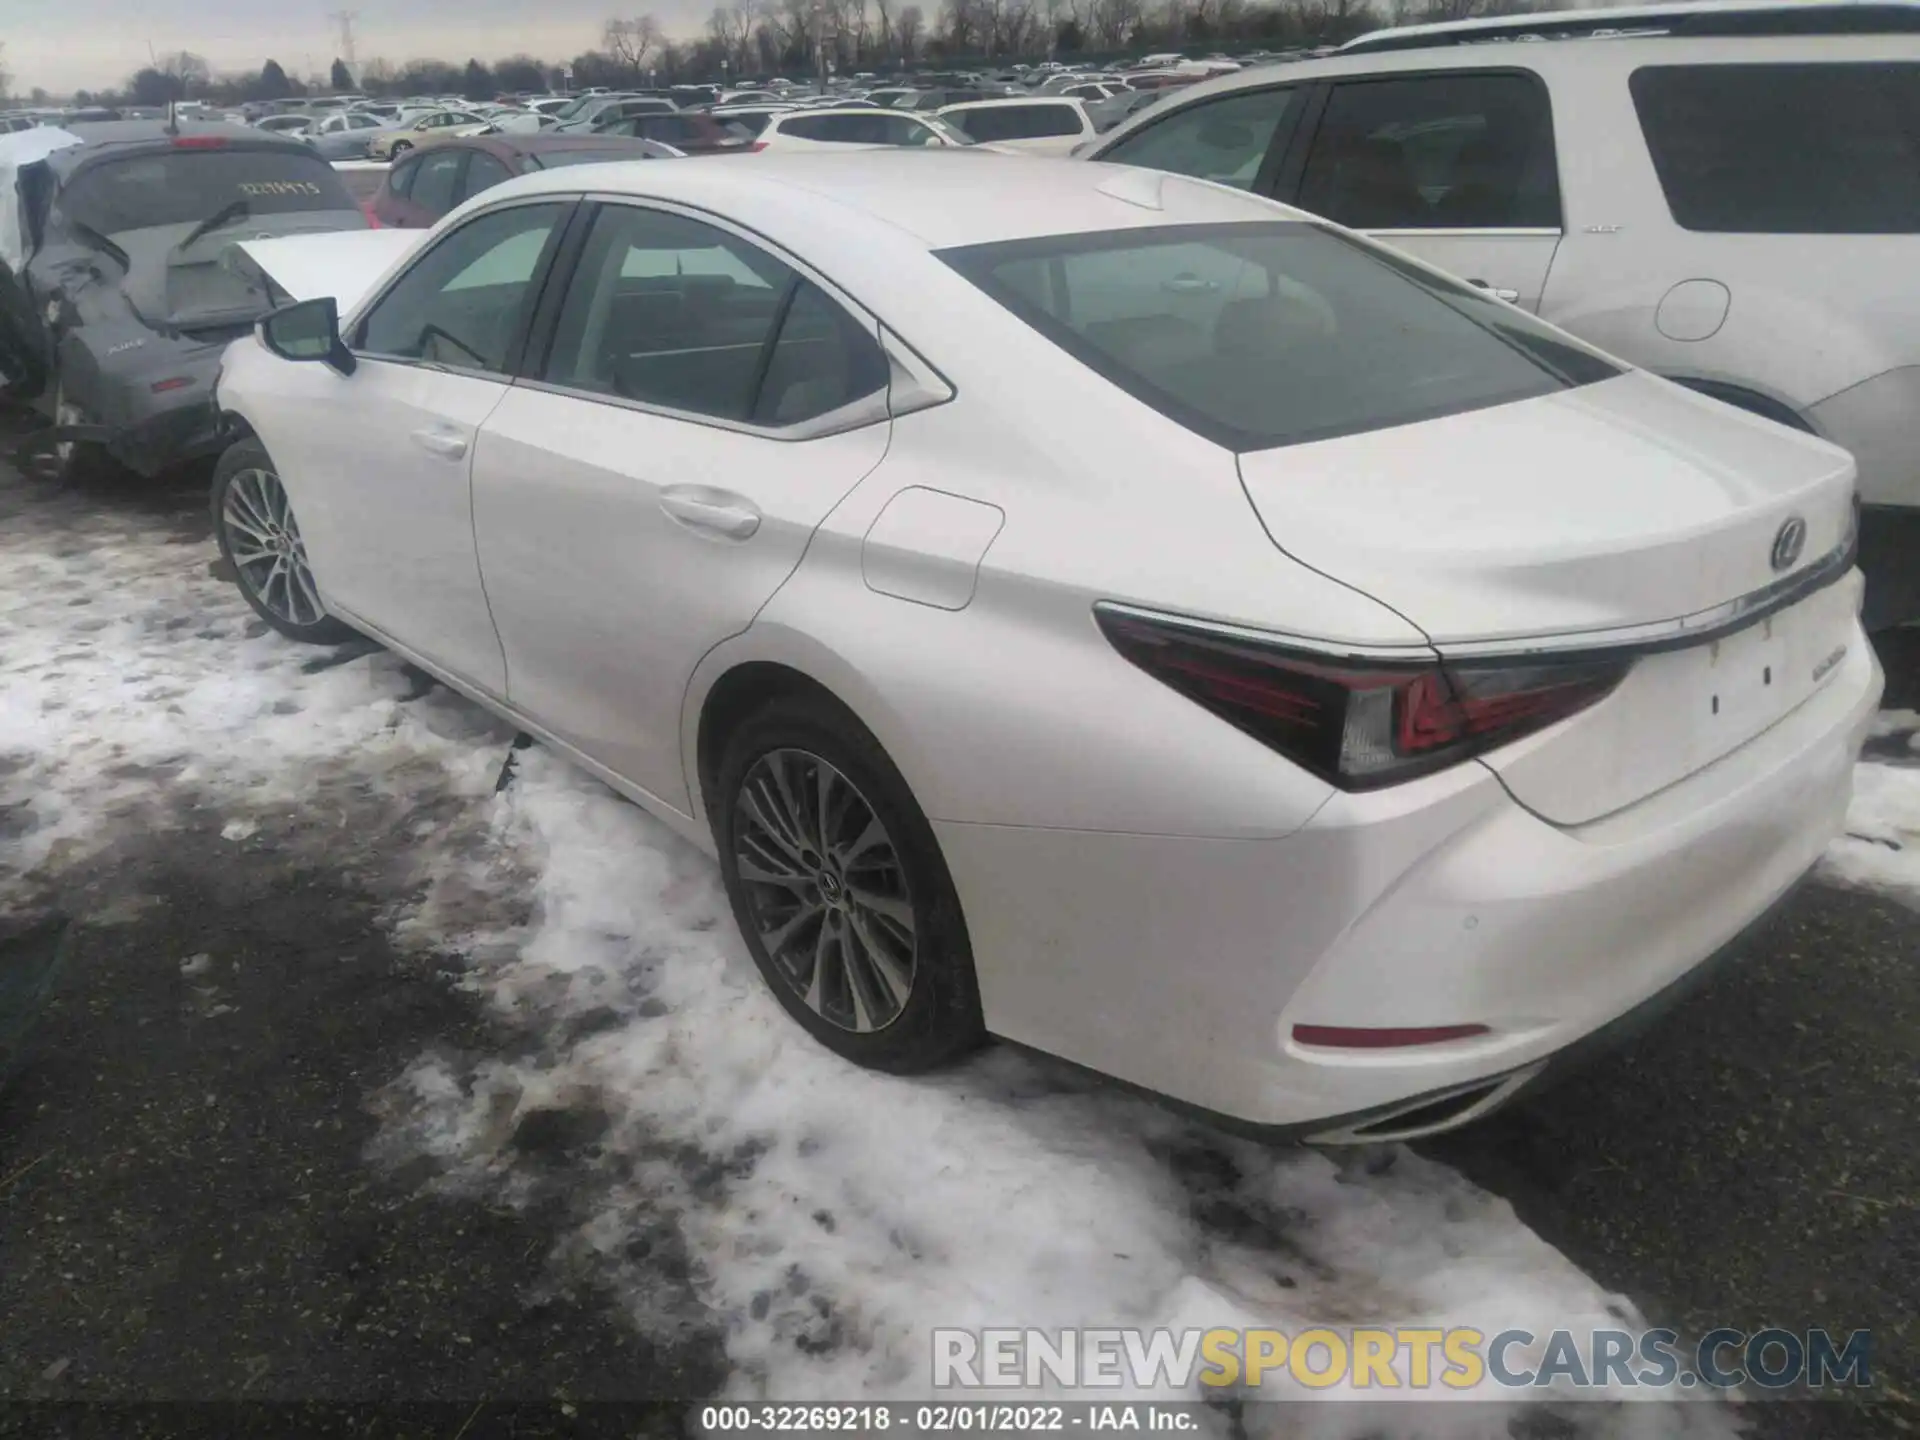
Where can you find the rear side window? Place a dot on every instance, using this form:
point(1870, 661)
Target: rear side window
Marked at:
point(1224, 140)
point(672, 312)
point(1259, 335)
point(813, 127)
point(1016, 122)
point(1435, 152)
point(1785, 149)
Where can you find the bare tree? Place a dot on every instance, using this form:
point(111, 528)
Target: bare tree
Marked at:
point(6, 75)
point(629, 43)
point(908, 28)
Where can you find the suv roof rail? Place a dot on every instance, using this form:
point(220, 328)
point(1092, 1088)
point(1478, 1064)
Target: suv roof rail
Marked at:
point(1753, 17)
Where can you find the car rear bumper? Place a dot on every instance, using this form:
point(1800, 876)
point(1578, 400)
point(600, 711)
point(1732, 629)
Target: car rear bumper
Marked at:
point(1182, 964)
point(149, 430)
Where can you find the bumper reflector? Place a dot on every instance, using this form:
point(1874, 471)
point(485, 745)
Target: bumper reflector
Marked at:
point(178, 382)
point(1351, 1037)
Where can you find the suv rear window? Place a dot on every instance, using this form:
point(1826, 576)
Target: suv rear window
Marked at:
point(1828, 149)
point(1268, 334)
point(180, 187)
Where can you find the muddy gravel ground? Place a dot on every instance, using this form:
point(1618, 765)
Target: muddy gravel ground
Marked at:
point(204, 1196)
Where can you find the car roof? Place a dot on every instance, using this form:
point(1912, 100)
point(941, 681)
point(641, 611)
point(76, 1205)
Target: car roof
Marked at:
point(1691, 18)
point(99, 136)
point(508, 145)
point(935, 198)
point(1004, 100)
point(1545, 56)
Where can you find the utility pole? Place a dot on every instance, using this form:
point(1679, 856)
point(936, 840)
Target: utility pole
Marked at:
point(344, 19)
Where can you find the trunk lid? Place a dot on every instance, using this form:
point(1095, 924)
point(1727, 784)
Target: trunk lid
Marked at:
point(193, 289)
point(346, 264)
point(1615, 505)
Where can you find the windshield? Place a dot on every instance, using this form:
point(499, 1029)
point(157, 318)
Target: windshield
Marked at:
point(180, 187)
point(1277, 333)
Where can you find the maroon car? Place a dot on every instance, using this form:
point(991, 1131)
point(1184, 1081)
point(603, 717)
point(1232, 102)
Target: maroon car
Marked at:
point(691, 133)
point(436, 178)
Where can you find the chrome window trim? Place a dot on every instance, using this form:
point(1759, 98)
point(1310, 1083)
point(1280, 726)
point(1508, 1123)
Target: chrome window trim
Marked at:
point(1680, 633)
point(869, 409)
point(1477, 232)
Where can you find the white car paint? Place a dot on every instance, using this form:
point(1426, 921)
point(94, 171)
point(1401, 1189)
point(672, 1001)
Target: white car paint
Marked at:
point(780, 132)
point(1149, 890)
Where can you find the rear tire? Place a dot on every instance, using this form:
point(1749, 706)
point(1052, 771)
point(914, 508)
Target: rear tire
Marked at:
point(869, 949)
point(260, 540)
point(72, 462)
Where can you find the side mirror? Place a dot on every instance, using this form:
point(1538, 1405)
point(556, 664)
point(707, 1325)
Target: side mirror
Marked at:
point(309, 330)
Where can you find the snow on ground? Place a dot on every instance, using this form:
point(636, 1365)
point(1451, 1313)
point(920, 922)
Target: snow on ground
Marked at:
point(132, 675)
point(831, 1216)
point(1881, 849)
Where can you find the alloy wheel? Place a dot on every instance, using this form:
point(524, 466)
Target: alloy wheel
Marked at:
point(264, 540)
point(826, 889)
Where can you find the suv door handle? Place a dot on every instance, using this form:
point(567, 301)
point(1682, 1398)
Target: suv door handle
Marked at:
point(440, 440)
point(1498, 292)
point(715, 512)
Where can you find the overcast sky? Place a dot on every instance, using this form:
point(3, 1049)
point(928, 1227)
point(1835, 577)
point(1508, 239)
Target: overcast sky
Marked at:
point(85, 44)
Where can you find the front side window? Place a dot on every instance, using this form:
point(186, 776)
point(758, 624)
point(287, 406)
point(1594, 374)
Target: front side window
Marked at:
point(1224, 140)
point(1435, 152)
point(1275, 333)
point(1785, 149)
point(462, 303)
point(672, 312)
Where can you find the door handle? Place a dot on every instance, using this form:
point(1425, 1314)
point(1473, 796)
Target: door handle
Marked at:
point(715, 512)
point(1498, 292)
point(447, 444)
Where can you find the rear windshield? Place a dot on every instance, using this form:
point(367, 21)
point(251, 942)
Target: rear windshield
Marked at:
point(1786, 149)
point(1277, 333)
point(175, 187)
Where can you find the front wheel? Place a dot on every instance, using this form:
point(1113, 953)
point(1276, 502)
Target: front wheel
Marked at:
point(260, 538)
point(399, 148)
point(840, 889)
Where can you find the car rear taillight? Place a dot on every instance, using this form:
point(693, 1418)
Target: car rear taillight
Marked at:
point(756, 147)
point(373, 220)
point(1359, 724)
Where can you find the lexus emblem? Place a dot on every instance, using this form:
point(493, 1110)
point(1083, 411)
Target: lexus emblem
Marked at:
point(1788, 544)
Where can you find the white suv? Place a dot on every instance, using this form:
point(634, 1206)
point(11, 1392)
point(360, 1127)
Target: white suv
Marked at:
point(1728, 196)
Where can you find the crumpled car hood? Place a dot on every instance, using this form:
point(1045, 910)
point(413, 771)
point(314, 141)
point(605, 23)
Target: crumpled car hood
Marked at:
point(345, 264)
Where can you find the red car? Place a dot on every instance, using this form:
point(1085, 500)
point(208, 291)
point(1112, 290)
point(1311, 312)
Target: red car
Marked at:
point(690, 133)
point(436, 178)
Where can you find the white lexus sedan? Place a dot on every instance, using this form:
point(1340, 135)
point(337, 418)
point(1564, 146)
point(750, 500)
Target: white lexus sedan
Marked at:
point(1084, 605)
